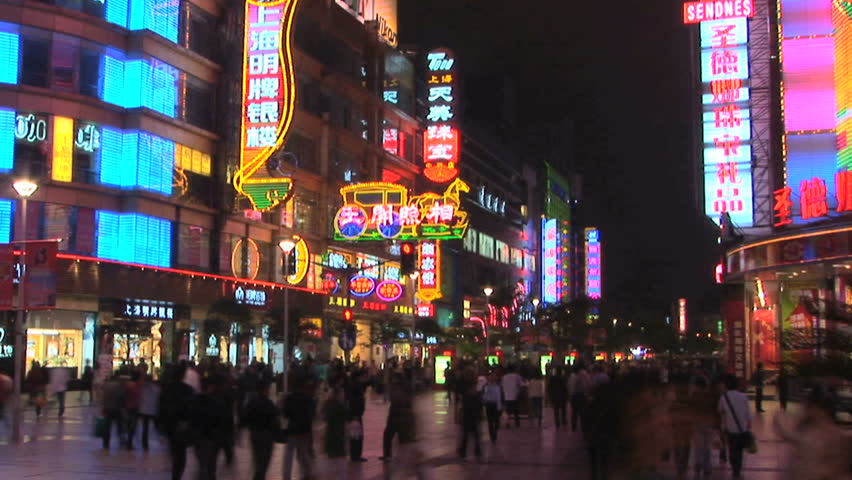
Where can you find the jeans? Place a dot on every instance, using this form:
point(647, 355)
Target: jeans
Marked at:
point(261, 449)
point(537, 407)
point(512, 409)
point(736, 445)
point(703, 440)
point(146, 422)
point(60, 399)
point(470, 429)
point(177, 450)
point(300, 446)
point(113, 416)
point(493, 415)
point(578, 405)
point(560, 412)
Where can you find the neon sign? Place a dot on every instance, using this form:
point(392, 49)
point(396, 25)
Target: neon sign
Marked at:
point(63, 149)
point(303, 262)
point(694, 12)
point(361, 286)
point(30, 128)
point(551, 254)
point(727, 114)
point(681, 315)
point(429, 261)
point(389, 290)
point(269, 99)
point(593, 263)
point(88, 137)
point(384, 211)
point(425, 310)
point(441, 140)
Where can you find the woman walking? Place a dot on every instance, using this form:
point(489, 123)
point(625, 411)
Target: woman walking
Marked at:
point(335, 431)
point(492, 397)
point(262, 420)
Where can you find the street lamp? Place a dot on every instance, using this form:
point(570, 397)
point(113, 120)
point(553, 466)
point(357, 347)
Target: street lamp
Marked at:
point(286, 245)
point(25, 189)
point(487, 291)
point(535, 302)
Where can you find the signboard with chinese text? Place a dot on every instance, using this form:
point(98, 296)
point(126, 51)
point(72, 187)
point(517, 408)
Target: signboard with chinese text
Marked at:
point(726, 117)
point(594, 289)
point(681, 316)
point(429, 264)
point(386, 211)
point(7, 276)
point(389, 291)
point(702, 11)
point(269, 99)
point(63, 149)
point(551, 253)
point(441, 140)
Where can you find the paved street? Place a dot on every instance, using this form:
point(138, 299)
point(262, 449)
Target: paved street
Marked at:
point(67, 450)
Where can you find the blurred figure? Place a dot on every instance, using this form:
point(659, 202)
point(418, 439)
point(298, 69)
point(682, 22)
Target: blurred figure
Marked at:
point(471, 413)
point(261, 417)
point(6, 389)
point(59, 385)
point(132, 395)
point(357, 403)
point(299, 408)
point(512, 384)
point(113, 403)
point(209, 412)
point(492, 397)
point(88, 380)
point(557, 387)
point(405, 425)
point(535, 390)
point(736, 418)
point(334, 412)
point(149, 403)
point(400, 420)
point(36, 384)
point(758, 379)
point(783, 384)
point(450, 382)
point(175, 402)
point(704, 405)
point(579, 386)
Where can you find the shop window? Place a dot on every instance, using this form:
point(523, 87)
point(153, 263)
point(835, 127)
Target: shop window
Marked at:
point(9, 50)
point(470, 240)
point(193, 246)
point(486, 245)
point(57, 224)
point(133, 237)
point(307, 211)
point(35, 60)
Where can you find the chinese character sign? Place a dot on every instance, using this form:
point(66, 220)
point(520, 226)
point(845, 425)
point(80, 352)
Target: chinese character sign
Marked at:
point(551, 253)
point(441, 143)
point(429, 264)
point(702, 11)
point(593, 264)
point(269, 98)
point(726, 114)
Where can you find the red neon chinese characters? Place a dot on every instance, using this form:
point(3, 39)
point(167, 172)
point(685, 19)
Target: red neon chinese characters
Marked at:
point(441, 138)
point(813, 198)
point(783, 207)
point(429, 281)
point(725, 91)
point(843, 186)
point(722, 34)
point(382, 215)
point(441, 153)
point(441, 213)
point(727, 173)
point(731, 144)
point(727, 116)
point(724, 62)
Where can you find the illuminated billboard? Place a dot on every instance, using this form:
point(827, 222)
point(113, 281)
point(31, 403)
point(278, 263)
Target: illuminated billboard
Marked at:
point(429, 264)
point(726, 115)
point(702, 11)
point(551, 254)
point(268, 99)
point(387, 211)
point(441, 140)
point(594, 288)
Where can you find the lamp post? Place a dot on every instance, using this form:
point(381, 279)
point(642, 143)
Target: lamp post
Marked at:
point(487, 291)
point(25, 189)
point(287, 245)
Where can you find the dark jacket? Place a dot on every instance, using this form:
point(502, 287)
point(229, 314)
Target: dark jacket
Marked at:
point(209, 416)
point(260, 415)
point(175, 401)
point(356, 400)
point(299, 408)
point(557, 387)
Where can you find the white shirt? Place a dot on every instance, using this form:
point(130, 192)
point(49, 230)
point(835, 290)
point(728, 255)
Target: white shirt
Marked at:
point(739, 402)
point(512, 383)
point(58, 380)
point(193, 379)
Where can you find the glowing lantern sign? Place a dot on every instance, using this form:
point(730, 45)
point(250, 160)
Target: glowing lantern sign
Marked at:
point(330, 283)
point(269, 99)
point(361, 286)
point(429, 261)
point(384, 211)
point(441, 140)
point(389, 291)
point(303, 262)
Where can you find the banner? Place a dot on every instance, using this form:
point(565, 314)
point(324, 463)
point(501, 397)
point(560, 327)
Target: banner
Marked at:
point(40, 274)
point(7, 277)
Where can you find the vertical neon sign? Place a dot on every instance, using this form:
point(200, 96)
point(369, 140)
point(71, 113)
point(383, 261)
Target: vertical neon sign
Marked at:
point(551, 283)
point(593, 264)
point(681, 316)
point(429, 261)
point(441, 140)
point(726, 118)
point(268, 99)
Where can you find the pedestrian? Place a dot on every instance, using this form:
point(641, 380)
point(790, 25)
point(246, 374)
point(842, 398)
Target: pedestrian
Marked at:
point(176, 399)
point(113, 403)
point(512, 384)
point(404, 422)
point(736, 418)
point(59, 385)
point(783, 388)
point(398, 415)
point(535, 390)
point(299, 409)
point(450, 382)
point(356, 404)
point(132, 395)
point(471, 416)
point(6, 389)
point(335, 414)
point(208, 412)
point(492, 397)
point(681, 419)
point(36, 382)
point(88, 380)
point(579, 386)
point(558, 389)
point(703, 403)
point(758, 379)
point(261, 417)
point(149, 403)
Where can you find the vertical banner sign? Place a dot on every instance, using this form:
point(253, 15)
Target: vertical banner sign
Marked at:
point(551, 255)
point(594, 288)
point(7, 276)
point(441, 141)
point(40, 275)
point(429, 261)
point(268, 99)
point(726, 117)
point(681, 316)
point(63, 149)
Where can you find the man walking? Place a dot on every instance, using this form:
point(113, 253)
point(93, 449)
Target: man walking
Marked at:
point(299, 408)
point(758, 379)
point(512, 383)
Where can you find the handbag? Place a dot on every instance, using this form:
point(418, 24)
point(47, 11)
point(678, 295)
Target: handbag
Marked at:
point(750, 442)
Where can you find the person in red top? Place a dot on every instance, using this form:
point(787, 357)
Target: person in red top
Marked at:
point(132, 394)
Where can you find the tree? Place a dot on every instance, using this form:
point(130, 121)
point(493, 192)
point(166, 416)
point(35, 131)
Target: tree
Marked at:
point(298, 331)
point(567, 324)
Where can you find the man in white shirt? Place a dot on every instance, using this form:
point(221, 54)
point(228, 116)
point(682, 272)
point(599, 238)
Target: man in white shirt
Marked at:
point(736, 417)
point(512, 383)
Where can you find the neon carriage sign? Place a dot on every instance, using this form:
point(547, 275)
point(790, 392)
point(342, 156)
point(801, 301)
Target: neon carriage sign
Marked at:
point(384, 211)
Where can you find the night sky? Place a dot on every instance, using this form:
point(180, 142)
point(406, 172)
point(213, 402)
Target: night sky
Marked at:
point(620, 71)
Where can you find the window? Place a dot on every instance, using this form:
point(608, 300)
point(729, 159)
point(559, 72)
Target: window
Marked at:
point(87, 151)
point(133, 237)
point(518, 258)
point(266, 260)
point(159, 16)
point(7, 139)
point(199, 31)
point(193, 246)
point(343, 166)
point(303, 152)
point(486, 245)
point(31, 148)
point(470, 240)
point(90, 71)
point(9, 50)
point(502, 251)
point(199, 103)
point(66, 53)
point(306, 205)
point(57, 224)
point(35, 60)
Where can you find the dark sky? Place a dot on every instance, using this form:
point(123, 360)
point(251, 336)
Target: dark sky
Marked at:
point(621, 72)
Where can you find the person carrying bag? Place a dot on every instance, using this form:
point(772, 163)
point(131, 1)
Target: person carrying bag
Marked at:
point(734, 406)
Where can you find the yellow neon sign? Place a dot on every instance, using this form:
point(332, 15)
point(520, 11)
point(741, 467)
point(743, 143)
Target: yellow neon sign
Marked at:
point(303, 261)
point(63, 149)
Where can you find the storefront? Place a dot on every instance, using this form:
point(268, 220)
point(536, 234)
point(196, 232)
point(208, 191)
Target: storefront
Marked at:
point(60, 338)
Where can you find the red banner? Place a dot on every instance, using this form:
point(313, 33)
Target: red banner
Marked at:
point(7, 277)
point(40, 275)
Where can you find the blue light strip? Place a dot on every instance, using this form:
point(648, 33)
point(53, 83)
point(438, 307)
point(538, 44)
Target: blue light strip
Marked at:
point(112, 79)
point(159, 16)
point(7, 139)
point(116, 12)
point(134, 238)
point(6, 210)
point(9, 51)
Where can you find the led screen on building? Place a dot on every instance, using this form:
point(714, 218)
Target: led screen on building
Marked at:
point(594, 287)
point(551, 254)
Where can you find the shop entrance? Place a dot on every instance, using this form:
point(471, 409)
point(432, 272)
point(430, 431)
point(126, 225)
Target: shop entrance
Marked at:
point(136, 342)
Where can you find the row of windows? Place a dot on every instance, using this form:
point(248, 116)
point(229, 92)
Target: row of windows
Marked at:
point(490, 247)
point(159, 16)
point(64, 63)
point(87, 152)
